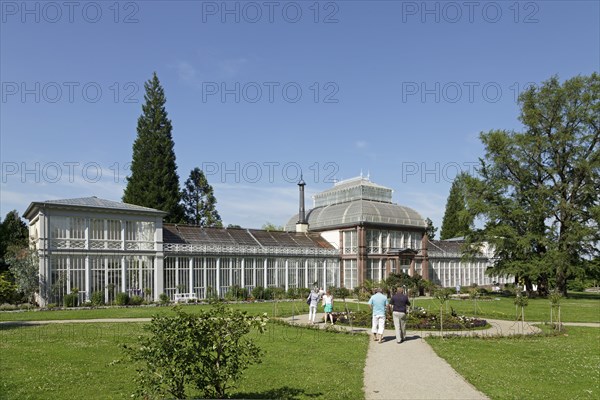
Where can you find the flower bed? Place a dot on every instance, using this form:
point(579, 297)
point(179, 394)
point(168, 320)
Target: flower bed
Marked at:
point(418, 318)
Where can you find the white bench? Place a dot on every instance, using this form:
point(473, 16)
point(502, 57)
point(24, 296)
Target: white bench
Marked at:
point(185, 297)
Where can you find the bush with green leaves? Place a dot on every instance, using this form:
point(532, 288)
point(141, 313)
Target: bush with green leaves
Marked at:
point(97, 298)
point(208, 350)
point(70, 300)
point(122, 299)
point(136, 300)
point(258, 293)
point(236, 293)
point(164, 299)
point(8, 290)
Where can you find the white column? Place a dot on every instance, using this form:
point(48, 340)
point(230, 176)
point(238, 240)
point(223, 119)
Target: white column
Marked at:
point(265, 271)
point(123, 234)
point(159, 275)
point(204, 274)
point(176, 274)
point(243, 273)
point(306, 273)
point(88, 285)
point(191, 266)
point(287, 275)
point(123, 275)
point(86, 233)
point(219, 276)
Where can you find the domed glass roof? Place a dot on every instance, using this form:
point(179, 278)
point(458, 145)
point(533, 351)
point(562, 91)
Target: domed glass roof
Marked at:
point(358, 201)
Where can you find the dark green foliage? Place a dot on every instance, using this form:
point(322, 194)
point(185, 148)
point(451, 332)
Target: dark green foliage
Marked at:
point(258, 293)
point(163, 299)
point(13, 233)
point(24, 267)
point(538, 189)
point(199, 201)
point(456, 222)
point(236, 293)
point(136, 300)
point(122, 299)
point(8, 290)
point(154, 181)
point(430, 230)
point(70, 300)
point(97, 298)
point(209, 350)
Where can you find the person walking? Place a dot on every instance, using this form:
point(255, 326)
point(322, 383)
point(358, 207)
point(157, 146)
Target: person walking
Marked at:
point(312, 301)
point(328, 306)
point(378, 304)
point(398, 305)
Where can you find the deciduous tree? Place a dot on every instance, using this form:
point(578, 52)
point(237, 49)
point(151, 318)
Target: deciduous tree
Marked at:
point(538, 189)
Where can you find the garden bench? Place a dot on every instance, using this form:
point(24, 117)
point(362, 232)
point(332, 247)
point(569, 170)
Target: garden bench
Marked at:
point(185, 297)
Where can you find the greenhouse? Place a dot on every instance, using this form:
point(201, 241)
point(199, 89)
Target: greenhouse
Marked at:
point(354, 233)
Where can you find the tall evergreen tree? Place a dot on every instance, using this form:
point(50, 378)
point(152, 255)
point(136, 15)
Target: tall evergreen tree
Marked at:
point(456, 222)
point(154, 181)
point(199, 201)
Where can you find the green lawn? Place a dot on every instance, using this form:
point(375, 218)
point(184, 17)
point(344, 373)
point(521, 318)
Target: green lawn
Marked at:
point(573, 309)
point(273, 309)
point(531, 367)
point(66, 361)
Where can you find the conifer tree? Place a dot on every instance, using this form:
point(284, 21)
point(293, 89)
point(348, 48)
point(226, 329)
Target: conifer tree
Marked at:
point(154, 181)
point(199, 201)
point(431, 229)
point(456, 222)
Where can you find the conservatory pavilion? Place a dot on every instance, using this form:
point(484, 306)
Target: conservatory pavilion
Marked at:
point(353, 233)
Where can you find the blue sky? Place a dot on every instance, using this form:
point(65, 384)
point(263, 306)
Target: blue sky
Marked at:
point(258, 90)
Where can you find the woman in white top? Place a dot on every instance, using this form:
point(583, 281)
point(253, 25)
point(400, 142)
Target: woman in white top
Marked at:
point(328, 304)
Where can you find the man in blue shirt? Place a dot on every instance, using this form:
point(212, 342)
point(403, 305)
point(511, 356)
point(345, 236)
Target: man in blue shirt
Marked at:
point(378, 303)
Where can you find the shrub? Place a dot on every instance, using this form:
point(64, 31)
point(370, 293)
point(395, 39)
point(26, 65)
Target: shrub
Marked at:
point(268, 294)
point(50, 306)
point(258, 293)
point(97, 298)
point(164, 299)
point(8, 307)
point(122, 299)
point(136, 300)
point(8, 290)
point(303, 293)
point(70, 300)
point(236, 293)
point(576, 285)
point(208, 350)
point(278, 293)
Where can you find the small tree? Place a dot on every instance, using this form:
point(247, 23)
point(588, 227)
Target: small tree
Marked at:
point(208, 350)
point(555, 297)
point(199, 201)
point(24, 266)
